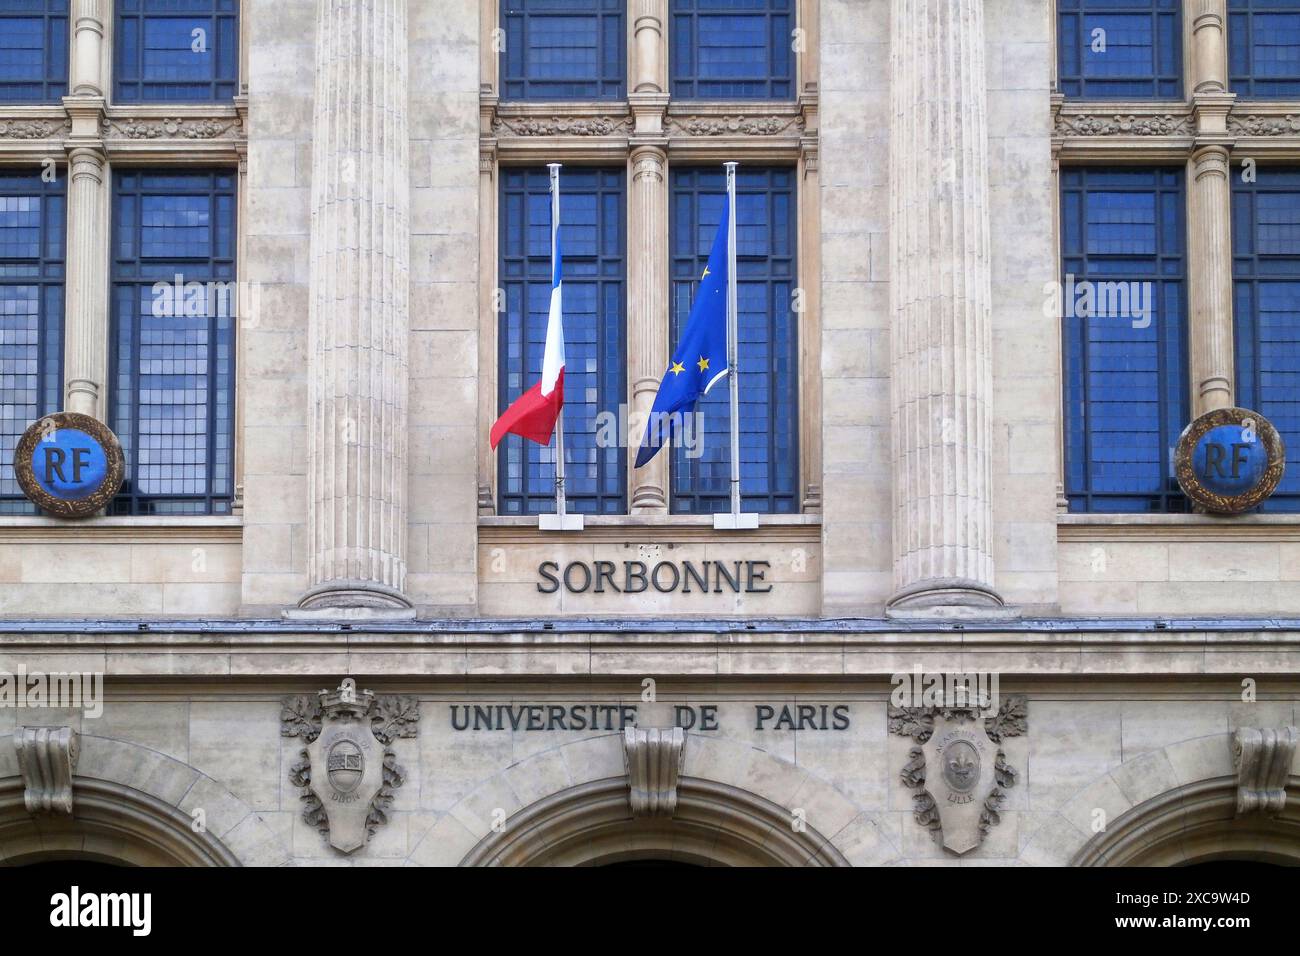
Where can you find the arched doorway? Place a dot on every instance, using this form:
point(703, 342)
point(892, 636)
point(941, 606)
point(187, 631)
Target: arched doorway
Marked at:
point(136, 807)
point(714, 824)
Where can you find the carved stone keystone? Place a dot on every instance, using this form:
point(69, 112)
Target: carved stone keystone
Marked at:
point(654, 767)
point(46, 758)
point(348, 772)
point(958, 769)
point(1262, 758)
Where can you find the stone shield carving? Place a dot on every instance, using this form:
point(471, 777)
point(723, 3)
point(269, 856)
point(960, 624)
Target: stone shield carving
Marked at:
point(958, 767)
point(348, 772)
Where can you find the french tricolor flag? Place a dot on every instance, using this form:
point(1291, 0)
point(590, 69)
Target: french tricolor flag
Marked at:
point(533, 414)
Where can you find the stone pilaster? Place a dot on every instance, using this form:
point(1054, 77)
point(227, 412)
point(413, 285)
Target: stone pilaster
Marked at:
point(1209, 272)
point(88, 47)
point(85, 355)
point(1209, 232)
point(1209, 45)
point(648, 18)
point(359, 313)
point(647, 316)
point(939, 283)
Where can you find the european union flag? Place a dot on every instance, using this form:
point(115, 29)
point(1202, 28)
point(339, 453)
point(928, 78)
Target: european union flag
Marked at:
point(701, 356)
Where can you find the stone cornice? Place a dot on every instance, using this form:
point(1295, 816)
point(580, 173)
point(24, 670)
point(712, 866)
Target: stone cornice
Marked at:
point(709, 651)
point(1136, 129)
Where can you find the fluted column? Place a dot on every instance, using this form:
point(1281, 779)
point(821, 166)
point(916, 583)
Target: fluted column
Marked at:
point(85, 351)
point(1209, 45)
point(88, 47)
point(647, 317)
point(940, 298)
point(1209, 233)
point(1210, 274)
point(359, 316)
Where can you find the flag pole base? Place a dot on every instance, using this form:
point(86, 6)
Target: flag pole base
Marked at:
point(564, 522)
point(726, 521)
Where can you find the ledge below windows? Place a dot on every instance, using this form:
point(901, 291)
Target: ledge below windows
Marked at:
point(1178, 527)
point(121, 529)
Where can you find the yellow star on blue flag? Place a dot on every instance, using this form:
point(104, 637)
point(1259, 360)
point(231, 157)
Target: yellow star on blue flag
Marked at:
point(701, 356)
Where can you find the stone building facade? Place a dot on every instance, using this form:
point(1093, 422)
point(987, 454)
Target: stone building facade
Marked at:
point(364, 651)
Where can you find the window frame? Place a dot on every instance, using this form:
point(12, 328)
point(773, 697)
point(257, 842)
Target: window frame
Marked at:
point(49, 347)
point(1082, 497)
point(1241, 54)
point(131, 84)
point(131, 501)
point(610, 81)
point(1247, 275)
point(530, 182)
point(55, 77)
point(684, 23)
point(683, 280)
point(1071, 79)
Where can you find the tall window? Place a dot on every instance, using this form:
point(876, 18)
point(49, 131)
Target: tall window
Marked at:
point(33, 51)
point(1264, 47)
point(172, 339)
point(1123, 49)
point(1124, 322)
point(563, 49)
point(1266, 308)
point(31, 314)
point(769, 351)
point(176, 50)
point(732, 49)
point(594, 270)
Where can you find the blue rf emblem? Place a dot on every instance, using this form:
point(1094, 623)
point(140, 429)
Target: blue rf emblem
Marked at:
point(1229, 460)
point(69, 464)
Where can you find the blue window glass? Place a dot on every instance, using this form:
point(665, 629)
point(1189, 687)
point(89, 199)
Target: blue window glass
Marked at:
point(1123, 49)
point(172, 362)
point(594, 271)
point(32, 216)
point(732, 49)
point(176, 51)
point(1266, 309)
point(33, 51)
point(1124, 317)
point(1264, 48)
point(563, 49)
point(767, 334)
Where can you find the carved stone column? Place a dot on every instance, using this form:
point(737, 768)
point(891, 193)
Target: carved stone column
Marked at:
point(940, 299)
point(85, 351)
point(647, 316)
point(359, 318)
point(88, 48)
point(1209, 235)
point(1209, 46)
point(648, 41)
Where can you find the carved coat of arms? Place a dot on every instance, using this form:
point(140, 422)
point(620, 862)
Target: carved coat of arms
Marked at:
point(348, 771)
point(958, 767)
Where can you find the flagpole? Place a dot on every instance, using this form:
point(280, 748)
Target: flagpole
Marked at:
point(734, 519)
point(559, 422)
point(561, 521)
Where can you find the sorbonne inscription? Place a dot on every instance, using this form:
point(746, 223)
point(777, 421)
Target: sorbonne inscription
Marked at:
point(611, 717)
point(666, 577)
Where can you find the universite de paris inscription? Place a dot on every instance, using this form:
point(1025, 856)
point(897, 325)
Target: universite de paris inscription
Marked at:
point(612, 717)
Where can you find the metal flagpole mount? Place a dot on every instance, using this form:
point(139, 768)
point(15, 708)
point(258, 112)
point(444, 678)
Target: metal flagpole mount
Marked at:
point(735, 519)
point(561, 520)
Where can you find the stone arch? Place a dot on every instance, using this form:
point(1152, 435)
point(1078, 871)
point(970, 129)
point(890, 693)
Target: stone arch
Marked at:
point(1167, 807)
point(134, 805)
point(735, 806)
